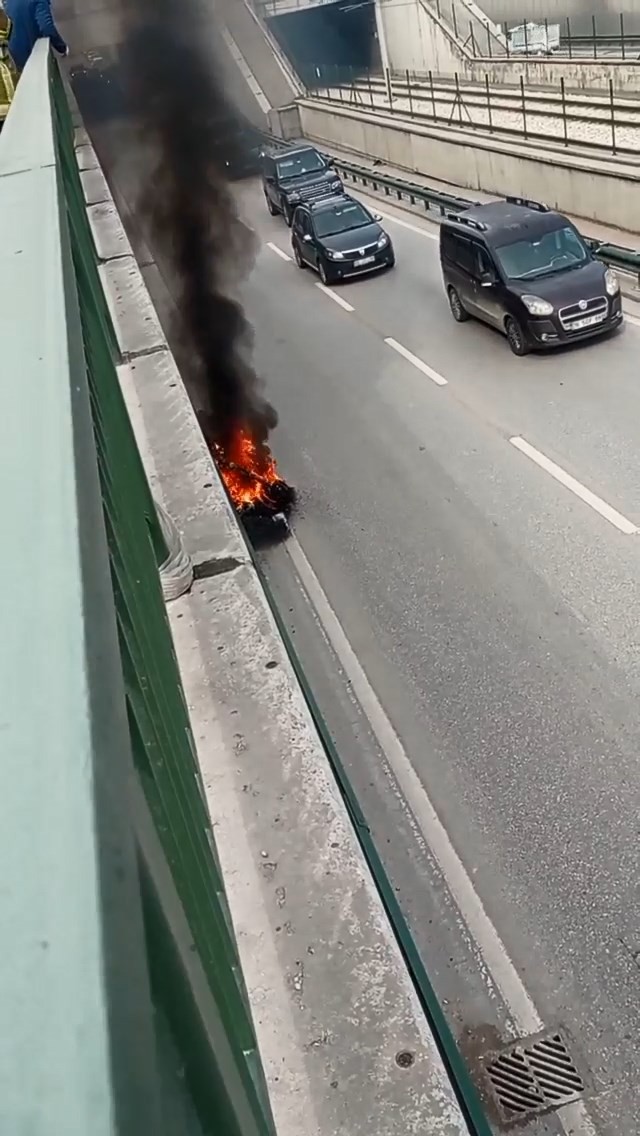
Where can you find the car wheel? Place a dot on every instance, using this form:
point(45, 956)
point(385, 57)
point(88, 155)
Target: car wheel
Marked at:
point(459, 313)
point(287, 213)
point(391, 263)
point(324, 273)
point(298, 257)
point(515, 337)
point(270, 206)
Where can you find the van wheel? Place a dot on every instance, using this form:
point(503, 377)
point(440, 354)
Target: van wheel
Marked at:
point(459, 313)
point(297, 257)
point(287, 213)
point(515, 337)
point(270, 206)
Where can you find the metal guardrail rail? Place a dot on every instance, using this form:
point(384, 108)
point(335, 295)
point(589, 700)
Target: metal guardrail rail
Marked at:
point(437, 204)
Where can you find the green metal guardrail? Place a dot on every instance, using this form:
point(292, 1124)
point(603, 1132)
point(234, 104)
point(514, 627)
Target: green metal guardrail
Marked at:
point(101, 1023)
point(439, 203)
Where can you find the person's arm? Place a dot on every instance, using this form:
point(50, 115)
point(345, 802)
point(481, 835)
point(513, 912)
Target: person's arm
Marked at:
point(47, 27)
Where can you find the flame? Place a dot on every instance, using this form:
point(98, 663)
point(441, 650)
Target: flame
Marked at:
point(249, 472)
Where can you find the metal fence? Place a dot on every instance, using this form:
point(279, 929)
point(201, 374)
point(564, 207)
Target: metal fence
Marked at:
point(604, 121)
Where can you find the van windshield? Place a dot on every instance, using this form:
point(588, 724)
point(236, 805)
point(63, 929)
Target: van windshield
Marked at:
point(557, 251)
point(306, 162)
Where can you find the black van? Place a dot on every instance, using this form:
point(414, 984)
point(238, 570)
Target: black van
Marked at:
point(525, 269)
point(298, 174)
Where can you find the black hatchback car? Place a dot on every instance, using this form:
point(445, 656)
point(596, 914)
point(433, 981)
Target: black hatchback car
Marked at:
point(298, 174)
point(339, 237)
point(525, 269)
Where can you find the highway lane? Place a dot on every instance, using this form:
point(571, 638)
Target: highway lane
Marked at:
point(579, 407)
point(494, 612)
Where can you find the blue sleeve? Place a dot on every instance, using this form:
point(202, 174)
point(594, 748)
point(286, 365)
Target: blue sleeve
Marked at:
point(47, 27)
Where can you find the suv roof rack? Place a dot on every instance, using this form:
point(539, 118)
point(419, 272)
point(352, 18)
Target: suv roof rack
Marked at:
point(472, 222)
point(527, 203)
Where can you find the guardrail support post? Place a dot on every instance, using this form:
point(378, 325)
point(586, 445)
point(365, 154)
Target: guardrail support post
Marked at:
point(488, 41)
point(505, 32)
point(387, 75)
point(455, 22)
point(622, 47)
point(433, 97)
point(569, 37)
point(595, 40)
point(370, 89)
point(613, 116)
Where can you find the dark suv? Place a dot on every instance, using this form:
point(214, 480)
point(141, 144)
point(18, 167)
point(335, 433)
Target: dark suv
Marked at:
point(339, 237)
point(525, 269)
point(295, 175)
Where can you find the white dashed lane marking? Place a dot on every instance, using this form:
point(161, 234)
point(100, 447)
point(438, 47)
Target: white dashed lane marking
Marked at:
point(607, 511)
point(278, 251)
point(416, 362)
point(335, 297)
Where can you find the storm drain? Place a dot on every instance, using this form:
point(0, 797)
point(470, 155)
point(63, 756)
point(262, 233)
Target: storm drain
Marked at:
point(532, 1077)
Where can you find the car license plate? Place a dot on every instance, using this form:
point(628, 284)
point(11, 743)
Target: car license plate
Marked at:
point(588, 321)
point(363, 260)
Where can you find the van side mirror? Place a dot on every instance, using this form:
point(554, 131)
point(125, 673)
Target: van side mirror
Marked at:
point(487, 280)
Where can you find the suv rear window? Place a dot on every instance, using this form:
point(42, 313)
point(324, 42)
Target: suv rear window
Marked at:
point(305, 162)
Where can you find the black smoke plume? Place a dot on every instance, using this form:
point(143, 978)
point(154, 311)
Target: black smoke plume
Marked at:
point(186, 127)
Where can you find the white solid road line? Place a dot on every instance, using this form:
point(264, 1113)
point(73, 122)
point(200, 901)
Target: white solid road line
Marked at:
point(607, 511)
point(334, 296)
point(278, 251)
point(525, 1017)
point(411, 358)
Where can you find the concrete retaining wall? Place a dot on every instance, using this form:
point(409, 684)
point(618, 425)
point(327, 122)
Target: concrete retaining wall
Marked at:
point(585, 187)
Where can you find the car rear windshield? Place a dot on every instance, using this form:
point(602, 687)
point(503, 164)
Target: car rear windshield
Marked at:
point(556, 251)
point(341, 219)
point(306, 162)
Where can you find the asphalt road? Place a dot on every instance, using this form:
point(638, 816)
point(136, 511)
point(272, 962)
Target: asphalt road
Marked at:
point(495, 613)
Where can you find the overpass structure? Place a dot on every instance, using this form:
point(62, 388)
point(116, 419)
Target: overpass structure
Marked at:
point(196, 943)
point(245, 968)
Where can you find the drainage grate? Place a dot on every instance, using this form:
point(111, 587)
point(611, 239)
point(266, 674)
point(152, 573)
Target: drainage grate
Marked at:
point(532, 1077)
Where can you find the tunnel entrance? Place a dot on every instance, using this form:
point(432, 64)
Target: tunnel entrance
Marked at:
point(329, 41)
